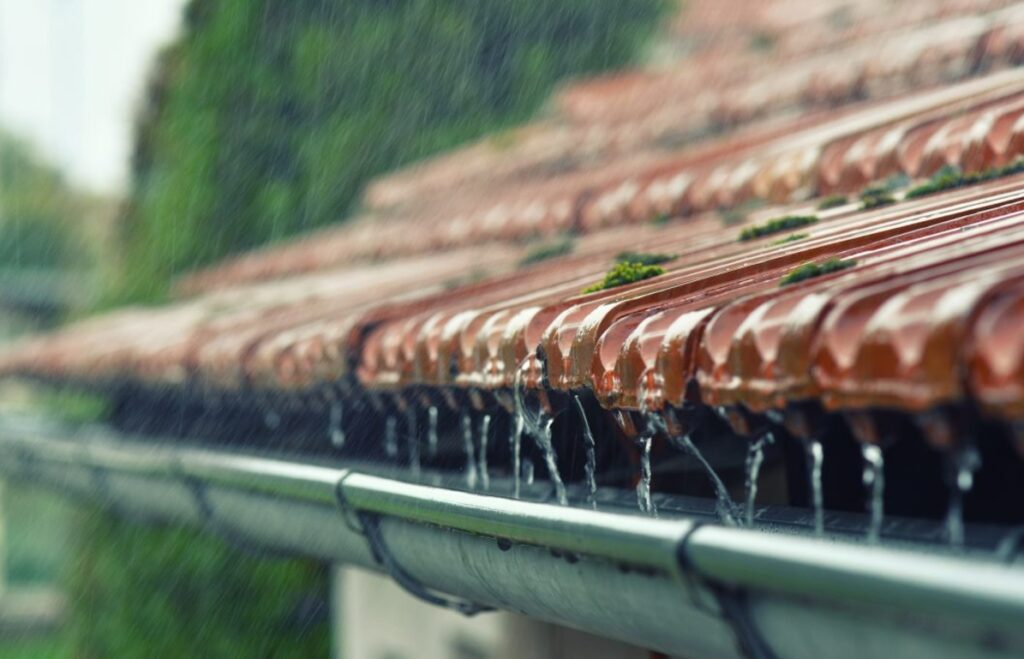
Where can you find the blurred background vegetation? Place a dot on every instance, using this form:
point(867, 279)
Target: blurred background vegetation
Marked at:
point(51, 237)
point(268, 116)
point(264, 119)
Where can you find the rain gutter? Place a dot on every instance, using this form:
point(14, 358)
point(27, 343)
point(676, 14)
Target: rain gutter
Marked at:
point(674, 584)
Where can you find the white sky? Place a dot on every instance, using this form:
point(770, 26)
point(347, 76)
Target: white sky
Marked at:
point(72, 73)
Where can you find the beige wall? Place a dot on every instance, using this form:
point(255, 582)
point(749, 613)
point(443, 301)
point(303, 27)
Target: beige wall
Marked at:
point(374, 619)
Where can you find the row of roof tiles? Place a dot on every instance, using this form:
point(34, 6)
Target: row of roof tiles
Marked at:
point(621, 115)
point(975, 124)
point(927, 319)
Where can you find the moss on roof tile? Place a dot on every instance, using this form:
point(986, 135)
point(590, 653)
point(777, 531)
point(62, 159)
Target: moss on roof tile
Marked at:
point(624, 273)
point(777, 225)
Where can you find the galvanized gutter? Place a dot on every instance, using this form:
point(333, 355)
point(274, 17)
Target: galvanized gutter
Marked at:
point(674, 584)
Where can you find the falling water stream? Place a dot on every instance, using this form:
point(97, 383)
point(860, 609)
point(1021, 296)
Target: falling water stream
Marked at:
point(467, 446)
point(540, 430)
point(531, 425)
point(412, 428)
point(654, 424)
point(432, 430)
point(391, 437)
point(485, 431)
point(515, 439)
point(724, 504)
point(335, 429)
point(755, 458)
point(528, 471)
point(815, 460)
point(543, 439)
point(874, 482)
point(643, 487)
point(590, 467)
point(965, 462)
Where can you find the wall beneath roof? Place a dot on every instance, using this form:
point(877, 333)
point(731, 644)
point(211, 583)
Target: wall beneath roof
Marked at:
point(378, 620)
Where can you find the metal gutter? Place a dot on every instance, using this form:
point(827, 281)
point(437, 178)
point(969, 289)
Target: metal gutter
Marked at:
point(672, 584)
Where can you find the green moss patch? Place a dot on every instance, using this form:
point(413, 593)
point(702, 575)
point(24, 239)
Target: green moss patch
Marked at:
point(548, 251)
point(832, 201)
point(950, 178)
point(812, 270)
point(876, 200)
point(880, 194)
point(624, 273)
point(791, 238)
point(645, 258)
point(777, 225)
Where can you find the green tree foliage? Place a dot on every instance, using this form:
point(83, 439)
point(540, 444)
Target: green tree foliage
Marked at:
point(40, 225)
point(269, 116)
point(173, 592)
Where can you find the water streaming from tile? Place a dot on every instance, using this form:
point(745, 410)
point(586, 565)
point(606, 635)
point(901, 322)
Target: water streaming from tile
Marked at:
point(467, 446)
point(485, 433)
point(540, 430)
point(723, 504)
point(590, 466)
point(528, 471)
point(515, 439)
point(432, 430)
point(336, 430)
point(412, 430)
point(755, 458)
point(874, 482)
point(391, 437)
point(815, 460)
point(547, 448)
point(643, 486)
point(532, 425)
point(966, 461)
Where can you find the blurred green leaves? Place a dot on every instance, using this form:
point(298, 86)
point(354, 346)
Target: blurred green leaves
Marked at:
point(172, 592)
point(268, 116)
point(40, 216)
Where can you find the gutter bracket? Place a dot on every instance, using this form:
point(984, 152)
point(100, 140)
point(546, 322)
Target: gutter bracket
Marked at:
point(211, 522)
point(732, 603)
point(101, 485)
point(369, 527)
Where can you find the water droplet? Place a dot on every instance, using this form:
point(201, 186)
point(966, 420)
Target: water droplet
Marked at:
point(467, 446)
point(336, 429)
point(528, 471)
point(815, 460)
point(590, 466)
point(965, 462)
point(515, 438)
point(874, 481)
point(432, 430)
point(412, 431)
point(485, 431)
point(272, 419)
point(391, 437)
